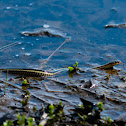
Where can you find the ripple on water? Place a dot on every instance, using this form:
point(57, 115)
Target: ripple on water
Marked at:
point(27, 54)
point(22, 48)
point(17, 55)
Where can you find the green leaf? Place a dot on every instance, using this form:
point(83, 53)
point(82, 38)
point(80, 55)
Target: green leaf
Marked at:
point(60, 103)
point(76, 64)
point(30, 121)
point(25, 82)
point(70, 69)
point(109, 120)
point(51, 111)
point(100, 106)
point(8, 123)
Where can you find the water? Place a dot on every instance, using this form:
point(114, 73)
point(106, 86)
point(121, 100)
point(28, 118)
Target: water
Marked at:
point(91, 45)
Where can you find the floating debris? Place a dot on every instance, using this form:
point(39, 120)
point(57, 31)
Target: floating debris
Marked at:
point(116, 25)
point(108, 65)
point(44, 32)
point(114, 9)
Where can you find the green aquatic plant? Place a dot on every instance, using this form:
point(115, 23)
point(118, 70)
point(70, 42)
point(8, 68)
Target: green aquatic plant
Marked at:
point(55, 116)
point(26, 97)
point(76, 64)
point(8, 123)
point(25, 82)
point(34, 108)
point(88, 112)
point(100, 106)
point(56, 113)
point(55, 110)
point(73, 69)
point(82, 117)
point(51, 111)
point(108, 121)
point(31, 121)
point(21, 120)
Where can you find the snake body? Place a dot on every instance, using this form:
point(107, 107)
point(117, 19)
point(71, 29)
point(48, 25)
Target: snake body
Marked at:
point(28, 72)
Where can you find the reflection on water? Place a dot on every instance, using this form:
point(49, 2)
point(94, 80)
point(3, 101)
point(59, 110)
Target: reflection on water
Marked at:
point(114, 71)
point(91, 45)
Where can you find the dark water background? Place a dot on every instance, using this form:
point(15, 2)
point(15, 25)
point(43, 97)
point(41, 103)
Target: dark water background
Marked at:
point(91, 45)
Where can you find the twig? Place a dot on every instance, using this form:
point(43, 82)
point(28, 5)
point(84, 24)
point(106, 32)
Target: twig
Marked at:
point(49, 90)
point(9, 45)
point(54, 91)
point(67, 40)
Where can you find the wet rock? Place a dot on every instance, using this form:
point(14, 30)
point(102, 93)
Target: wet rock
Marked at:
point(4, 101)
point(86, 102)
point(81, 71)
point(94, 75)
point(101, 97)
point(122, 78)
point(82, 81)
point(107, 77)
point(88, 107)
point(89, 84)
point(121, 120)
point(9, 116)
